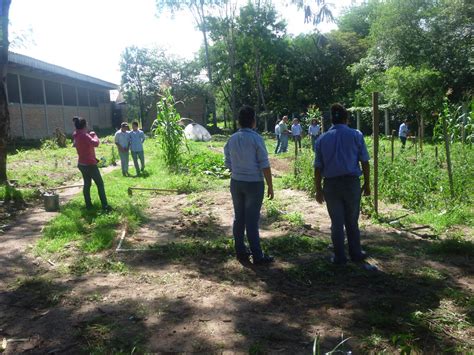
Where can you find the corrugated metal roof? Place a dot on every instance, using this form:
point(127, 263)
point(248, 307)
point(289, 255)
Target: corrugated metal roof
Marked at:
point(21, 59)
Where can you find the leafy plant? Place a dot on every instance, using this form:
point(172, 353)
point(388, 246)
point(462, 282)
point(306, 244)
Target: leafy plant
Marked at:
point(169, 132)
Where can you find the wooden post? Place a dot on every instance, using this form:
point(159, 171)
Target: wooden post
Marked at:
point(375, 129)
point(422, 132)
point(358, 120)
point(448, 156)
point(296, 156)
point(387, 124)
point(436, 153)
point(416, 147)
point(392, 140)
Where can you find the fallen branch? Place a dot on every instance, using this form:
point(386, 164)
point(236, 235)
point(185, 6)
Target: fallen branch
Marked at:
point(64, 187)
point(130, 190)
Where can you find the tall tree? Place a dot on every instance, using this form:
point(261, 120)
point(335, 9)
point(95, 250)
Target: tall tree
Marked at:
point(200, 10)
point(4, 113)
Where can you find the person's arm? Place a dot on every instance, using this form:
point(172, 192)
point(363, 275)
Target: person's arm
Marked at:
point(143, 137)
point(267, 173)
point(318, 185)
point(93, 139)
point(119, 147)
point(366, 172)
point(227, 161)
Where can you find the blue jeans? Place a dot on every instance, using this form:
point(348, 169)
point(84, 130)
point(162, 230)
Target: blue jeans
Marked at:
point(124, 161)
point(247, 198)
point(138, 155)
point(342, 195)
point(278, 143)
point(283, 143)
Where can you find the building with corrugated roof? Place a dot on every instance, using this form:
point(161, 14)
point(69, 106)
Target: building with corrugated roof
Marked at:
point(43, 97)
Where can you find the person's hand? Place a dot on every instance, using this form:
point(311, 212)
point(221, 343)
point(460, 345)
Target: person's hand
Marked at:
point(319, 196)
point(270, 194)
point(366, 189)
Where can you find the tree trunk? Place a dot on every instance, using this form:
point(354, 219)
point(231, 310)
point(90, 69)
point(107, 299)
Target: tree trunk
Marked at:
point(4, 113)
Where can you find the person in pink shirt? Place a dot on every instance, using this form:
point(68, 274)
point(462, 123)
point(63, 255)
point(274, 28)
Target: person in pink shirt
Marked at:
point(85, 143)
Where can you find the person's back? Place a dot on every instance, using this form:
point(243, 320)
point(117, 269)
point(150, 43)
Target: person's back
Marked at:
point(85, 144)
point(246, 150)
point(339, 151)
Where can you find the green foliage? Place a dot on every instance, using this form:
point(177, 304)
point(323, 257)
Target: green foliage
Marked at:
point(169, 133)
point(453, 246)
point(458, 123)
point(206, 163)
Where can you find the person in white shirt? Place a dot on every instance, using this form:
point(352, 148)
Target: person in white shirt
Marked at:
point(403, 132)
point(296, 131)
point(314, 131)
point(122, 141)
point(277, 135)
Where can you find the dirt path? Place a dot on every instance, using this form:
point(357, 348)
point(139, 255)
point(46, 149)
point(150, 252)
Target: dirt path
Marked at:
point(213, 304)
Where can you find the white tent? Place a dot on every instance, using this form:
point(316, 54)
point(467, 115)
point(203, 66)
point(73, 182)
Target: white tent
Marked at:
point(196, 132)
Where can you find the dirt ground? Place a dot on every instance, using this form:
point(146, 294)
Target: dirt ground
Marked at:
point(210, 305)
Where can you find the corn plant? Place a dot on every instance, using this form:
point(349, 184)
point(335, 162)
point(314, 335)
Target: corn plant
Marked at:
point(169, 133)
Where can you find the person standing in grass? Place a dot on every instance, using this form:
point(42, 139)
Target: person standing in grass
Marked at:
point(284, 134)
point(338, 154)
point(277, 135)
point(85, 143)
point(137, 137)
point(296, 131)
point(247, 158)
point(313, 131)
point(403, 132)
point(122, 141)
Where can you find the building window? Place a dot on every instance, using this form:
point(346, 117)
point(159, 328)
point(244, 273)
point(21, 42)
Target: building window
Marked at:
point(94, 100)
point(82, 96)
point(31, 90)
point(69, 95)
point(12, 87)
point(104, 97)
point(53, 93)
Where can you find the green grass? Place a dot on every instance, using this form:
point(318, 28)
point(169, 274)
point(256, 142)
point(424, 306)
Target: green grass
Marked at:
point(94, 231)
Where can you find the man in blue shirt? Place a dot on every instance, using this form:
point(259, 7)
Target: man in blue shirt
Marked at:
point(247, 158)
point(137, 137)
point(338, 153)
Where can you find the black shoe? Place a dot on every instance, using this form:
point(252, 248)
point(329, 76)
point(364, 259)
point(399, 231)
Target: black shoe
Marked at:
point(363, 255)
point(107, 209)
point(335, 261)
point(243, 258)
point(265, 259)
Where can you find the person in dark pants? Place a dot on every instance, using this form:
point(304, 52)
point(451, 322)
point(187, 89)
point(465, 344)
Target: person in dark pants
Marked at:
point(85, 143)
point(247, 158)
point(338, 153)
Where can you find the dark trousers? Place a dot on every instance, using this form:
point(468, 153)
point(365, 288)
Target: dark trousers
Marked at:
point(247, 198)
point(278, 143)
point(89, 173)
point(342, 195)
point(297, 140)
point(138, 155)
point(403, 140)
point(313, 142)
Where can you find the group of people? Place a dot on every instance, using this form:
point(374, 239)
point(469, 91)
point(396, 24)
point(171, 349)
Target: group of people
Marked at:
point(132, 141)
point(283, 133)
point(86, 141)
point(341, 157)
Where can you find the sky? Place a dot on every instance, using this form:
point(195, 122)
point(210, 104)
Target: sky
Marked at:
point(88, 36)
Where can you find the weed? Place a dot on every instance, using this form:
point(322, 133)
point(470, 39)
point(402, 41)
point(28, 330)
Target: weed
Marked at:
point(295, 219)
point(452, 246)
point(85, 264)
point(273, 209)
point(294, 245)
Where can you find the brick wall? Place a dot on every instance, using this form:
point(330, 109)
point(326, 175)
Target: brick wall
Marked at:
point(94, 116)
point(55, 118)
point(69, 113)
point(193, 108)
point(35, 122)
point(15, 121)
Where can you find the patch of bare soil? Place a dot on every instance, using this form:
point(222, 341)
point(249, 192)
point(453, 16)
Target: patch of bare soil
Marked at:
point(215, 305)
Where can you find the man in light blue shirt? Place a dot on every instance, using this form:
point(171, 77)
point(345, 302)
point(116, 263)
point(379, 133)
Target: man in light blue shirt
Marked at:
point(137, 137)
point(122, 141)
point(338, 154)
point(403, 132)
point(247, 158)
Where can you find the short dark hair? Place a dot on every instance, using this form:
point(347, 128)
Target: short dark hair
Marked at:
point(338, 113)
point(135, 123)
point(246, 116)
point(79, 122)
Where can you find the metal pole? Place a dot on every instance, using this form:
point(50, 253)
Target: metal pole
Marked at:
point(387, 124)
point(392, 139)
point(358, 120)
point(375, 129)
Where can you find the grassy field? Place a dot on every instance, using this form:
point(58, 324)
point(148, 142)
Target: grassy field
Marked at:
point(192, 295)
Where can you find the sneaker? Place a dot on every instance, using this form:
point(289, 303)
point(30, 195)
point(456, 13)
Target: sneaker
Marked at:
point(265, 259)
